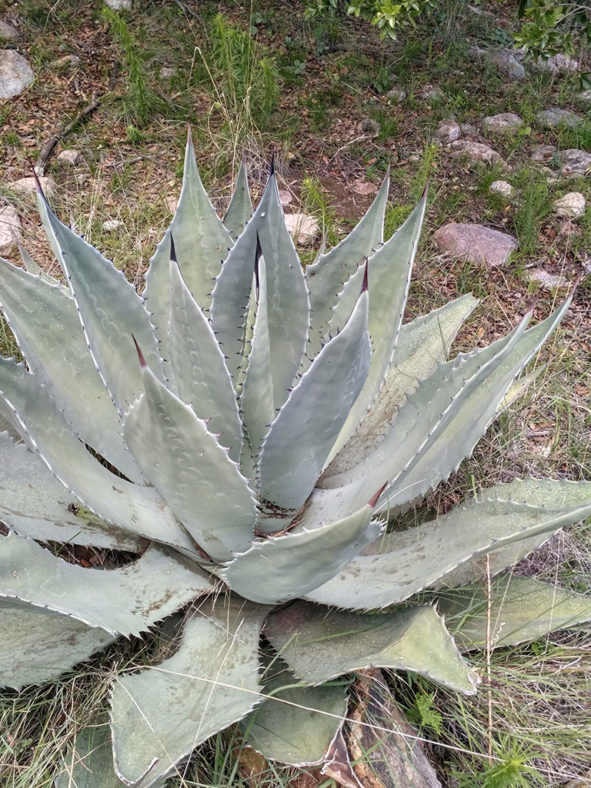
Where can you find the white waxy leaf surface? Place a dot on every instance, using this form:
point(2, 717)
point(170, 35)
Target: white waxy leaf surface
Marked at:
point(159, 715)
point(302, 435)
point(126, 601)
point(139, 510)
point(240, 207)
point(44, 320)
point(521, 609)
point(200, 372)
point(110, 310)
point(401, 564)
point(423, 344)
point(34, 503)
point(319, 645)
point(265, 573)
point(189, 468)
point(328, 275)
point(297, 724)
point(389, 270)
point(201, 243)
point(42, 644)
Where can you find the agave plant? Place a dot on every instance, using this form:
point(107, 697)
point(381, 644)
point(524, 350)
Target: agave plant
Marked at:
point(251, 433)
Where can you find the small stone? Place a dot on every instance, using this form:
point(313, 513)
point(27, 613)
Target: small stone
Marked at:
point(501, 187)
point(555, 116)
point(546, 280)
point(557, 64)
point(475, 243)
point(432, 93)
point(29, 185)
point(503, 59)
point(70, 157)
point(468, 130)
point(543, 152)
point(10, 229)
point(167, 72)
point(119, 5)
point(477, 151)
point(8, 32)
point(396, 96)
point(370, 127)
point(574, 162)
point(585, 96)
point(171, 203)
point(285, 197)
point(110, 225)
point(302, 228)
point(571, 206)
point(15, 74)
point(66, 60)
point(504, 123)
point(448, 131)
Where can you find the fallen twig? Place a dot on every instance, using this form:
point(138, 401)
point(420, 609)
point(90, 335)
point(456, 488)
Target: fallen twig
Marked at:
point(50, 144)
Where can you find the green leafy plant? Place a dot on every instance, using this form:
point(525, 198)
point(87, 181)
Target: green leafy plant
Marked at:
point(548, 27)
point(251, 434)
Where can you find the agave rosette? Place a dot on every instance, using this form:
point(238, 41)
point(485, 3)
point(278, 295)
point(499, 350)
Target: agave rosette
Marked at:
point(249, 430)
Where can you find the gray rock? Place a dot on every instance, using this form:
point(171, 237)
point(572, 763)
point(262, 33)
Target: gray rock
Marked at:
point(370, 127)
point(29, 185)
point(475, 243)
point(468, 130)
point(167, 72)
point(432, 93)
point(543, 152)
point(15, 74)
point(65, 61)
point(119, 5)
point(557, 64)
point(476, 151)
point(70, 157)
point(448, 131)
point(396, 95)
point(571, 206)
point(10, 229)
point(302, 228)
point(503, 188)
point(555, 116)
point(585, 96)
point(110, 225)
point(504, 123)
point(8, 32)
point(546, 280)
point(574, 162)
point(503, 59)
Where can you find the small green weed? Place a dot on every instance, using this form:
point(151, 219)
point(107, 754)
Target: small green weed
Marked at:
point(316, 203)
point(534, 206)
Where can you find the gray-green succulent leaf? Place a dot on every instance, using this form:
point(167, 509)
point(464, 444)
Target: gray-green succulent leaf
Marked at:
point(250, 433)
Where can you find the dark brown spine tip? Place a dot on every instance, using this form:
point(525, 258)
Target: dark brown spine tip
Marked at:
point(257, 257)
point(365, 285)
point(374, 499)
point(189, 139)
point(173, 256)
point(140, 355)
point(38, 186)
point(272, 165)
point(425, 190)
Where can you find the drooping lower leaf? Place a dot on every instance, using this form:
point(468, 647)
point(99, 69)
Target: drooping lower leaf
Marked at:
point(159, 715)
point(123, 601)
point(89, 763)
point(521, 609)
point(296, 725)
point(320, 644)
point(38, 645)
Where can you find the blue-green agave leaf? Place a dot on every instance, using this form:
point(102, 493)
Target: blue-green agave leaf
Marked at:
point(319, 645)
point(189, 468)
point(159, 715)
point(302, 435)
point(240, 207)
point(200, 373)
point(124, 601)
point(403, 563)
